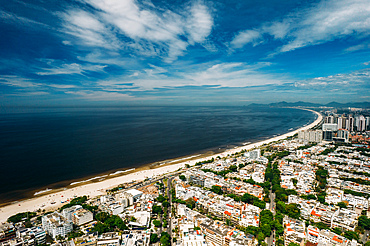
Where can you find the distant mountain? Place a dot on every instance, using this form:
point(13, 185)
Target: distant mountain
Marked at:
point(308, 104)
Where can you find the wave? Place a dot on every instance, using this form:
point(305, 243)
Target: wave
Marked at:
point(42, 191)
point(87, 180)
point(125, 171)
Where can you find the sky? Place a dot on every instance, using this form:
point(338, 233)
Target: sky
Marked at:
point(127, 52)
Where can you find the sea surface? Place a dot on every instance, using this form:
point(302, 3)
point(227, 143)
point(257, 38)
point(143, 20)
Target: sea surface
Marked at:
point(51, 147)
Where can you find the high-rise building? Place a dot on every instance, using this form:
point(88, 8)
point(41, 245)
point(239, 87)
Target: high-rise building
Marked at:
point(350, 123)
point(329, 127)
point(342, 122)
point(330, 119)
point(311, 136)
point(343, 134)
point(361, 123)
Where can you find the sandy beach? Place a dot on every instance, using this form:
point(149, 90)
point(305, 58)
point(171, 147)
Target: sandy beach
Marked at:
point(98, 188)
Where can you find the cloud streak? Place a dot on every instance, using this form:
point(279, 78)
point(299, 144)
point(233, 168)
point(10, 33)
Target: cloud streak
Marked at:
point(324, 22)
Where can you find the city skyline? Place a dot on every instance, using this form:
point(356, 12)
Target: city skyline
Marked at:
point(93, 52)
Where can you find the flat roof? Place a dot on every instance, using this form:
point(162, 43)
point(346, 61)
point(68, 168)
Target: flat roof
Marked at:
point(134, 192)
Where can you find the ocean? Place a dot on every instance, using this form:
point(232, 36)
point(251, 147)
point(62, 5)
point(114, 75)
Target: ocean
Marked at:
point(51, 147)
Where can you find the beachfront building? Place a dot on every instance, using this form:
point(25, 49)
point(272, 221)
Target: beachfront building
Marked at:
point(56, 225)
point(82, 216)
point(314, 136)
point(136, 194)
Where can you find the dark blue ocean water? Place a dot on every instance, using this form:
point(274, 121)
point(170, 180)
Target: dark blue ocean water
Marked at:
point(40, 147)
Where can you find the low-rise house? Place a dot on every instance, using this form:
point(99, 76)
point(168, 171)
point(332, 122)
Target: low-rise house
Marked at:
point(138, 238)
point(295, 231)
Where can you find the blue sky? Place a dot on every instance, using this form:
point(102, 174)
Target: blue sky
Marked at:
point(126, 52)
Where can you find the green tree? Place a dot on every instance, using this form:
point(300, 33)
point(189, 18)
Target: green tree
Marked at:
point(337, 230)
point(157, 209)
point(153, 238)
point(351, 235)
point(293, 244)
point(157, 223)
point(161, 198)
point(233, 168)
point(342, 204)
point(165, 239)
point(165, 204)
point(182, 177)
point(217, 189)
point(364, 222)
point(260, 236)
point(21, 216)
point(266, 229)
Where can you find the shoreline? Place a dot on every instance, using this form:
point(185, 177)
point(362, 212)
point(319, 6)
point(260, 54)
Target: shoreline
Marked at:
point(93, 188)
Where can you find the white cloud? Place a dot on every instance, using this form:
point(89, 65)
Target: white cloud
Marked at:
point(245, 37)
point(72, 68)
point(87, 28)
point(17, 81)
point(356, 80)
point(326, 21)
point(21, 21)
point(101, 95)
point(216, 75)
point(199, 24)
point(150, 31)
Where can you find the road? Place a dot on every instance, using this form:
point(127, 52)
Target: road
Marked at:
point(169, 195)
point(365, 236)
point(271, 239)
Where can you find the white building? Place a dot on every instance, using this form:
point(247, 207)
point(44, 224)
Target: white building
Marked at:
point(109, 239)
point(136, 194)
point(253, 154)
point(82, 216)
point(56, 225)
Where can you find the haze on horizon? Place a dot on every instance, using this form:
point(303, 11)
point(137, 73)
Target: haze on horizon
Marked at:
point(111, 52)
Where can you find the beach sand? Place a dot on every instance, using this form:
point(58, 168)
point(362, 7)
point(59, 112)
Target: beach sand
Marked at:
point(98, 188)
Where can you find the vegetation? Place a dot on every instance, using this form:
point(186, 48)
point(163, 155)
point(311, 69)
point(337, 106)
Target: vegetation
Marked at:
point(309, 197)
point(80, 201)
point(327, 151)
point(217, 189)
point(321, 176)
point(21, 217)
point(154, 238)
point(359, 181)
point(364, 222)
point(182, 177)
point(157, 209)
point(204, 162)
point(356, 193)
point(342, 204)
point(157, 223)
point(292, 209)
point(108, 223)
point(190, 203)
point(351, 235)
point(165, 239)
